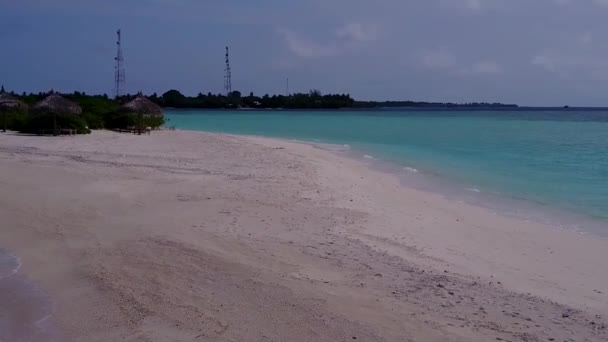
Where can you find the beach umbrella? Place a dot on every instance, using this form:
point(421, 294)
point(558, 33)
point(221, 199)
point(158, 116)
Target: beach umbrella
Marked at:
point(141, 107)
point(56, 105)
point(9, 105)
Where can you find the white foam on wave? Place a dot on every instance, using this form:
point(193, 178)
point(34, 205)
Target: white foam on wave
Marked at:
point(410, 169)
point(30, 311)
point(474, 190)
point(330, 147)
point(367, 156)
point(9, 264)
point(44, 322)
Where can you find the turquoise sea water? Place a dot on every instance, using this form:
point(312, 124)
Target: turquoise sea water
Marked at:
point(551, 159)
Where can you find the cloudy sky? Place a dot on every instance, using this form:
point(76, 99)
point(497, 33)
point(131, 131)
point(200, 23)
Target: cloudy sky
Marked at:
point(530, 52)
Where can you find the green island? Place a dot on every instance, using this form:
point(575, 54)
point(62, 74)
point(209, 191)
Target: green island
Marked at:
point(79, 112)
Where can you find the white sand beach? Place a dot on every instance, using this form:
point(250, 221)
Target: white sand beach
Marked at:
point(191, 236)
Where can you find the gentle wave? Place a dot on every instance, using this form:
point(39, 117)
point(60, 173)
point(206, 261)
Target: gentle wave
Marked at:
point(9, 264)
point(410, 169)
point(26, 313)
point(520, 155)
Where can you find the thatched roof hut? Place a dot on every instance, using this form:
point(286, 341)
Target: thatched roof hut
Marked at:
point(57, 105)
point(10, 104)
point(141, 106)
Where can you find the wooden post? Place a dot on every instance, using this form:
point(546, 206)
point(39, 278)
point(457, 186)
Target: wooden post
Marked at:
point(141, 122)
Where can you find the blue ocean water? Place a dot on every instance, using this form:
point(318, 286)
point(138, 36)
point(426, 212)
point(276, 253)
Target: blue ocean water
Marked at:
point(554, 159)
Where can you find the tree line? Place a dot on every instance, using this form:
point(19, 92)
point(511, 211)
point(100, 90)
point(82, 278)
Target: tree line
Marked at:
point(311, 100)
point(314, 99)
point(100, 111)
point(434, 105)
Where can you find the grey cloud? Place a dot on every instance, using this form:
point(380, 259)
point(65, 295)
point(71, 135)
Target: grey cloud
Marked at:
point(305, 47)
point(388, 49)
point(342, 39)
point(486, 67)
point(437, 59)
point(572, 65)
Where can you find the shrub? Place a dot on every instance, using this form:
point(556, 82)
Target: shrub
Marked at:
point(94, 121)
point(122, 120)
point(14, 121)
point(119, 120)
point(47, 122)
point(153, 121)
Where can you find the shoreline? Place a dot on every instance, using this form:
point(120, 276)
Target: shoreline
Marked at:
point(26, 311)
point(188, 235)
point(414, 176)
point(539, 229)
point(524, 209)
point(487, 152)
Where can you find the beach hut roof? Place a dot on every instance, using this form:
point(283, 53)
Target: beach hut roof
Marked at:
point(56, 104)
point(141, 105)
point(9, 103)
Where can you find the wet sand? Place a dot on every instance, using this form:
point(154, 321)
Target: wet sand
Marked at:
point(26, 310)
point(187, 236)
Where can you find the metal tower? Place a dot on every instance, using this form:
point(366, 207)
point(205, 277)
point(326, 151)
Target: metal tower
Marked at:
point(228, 76)
point(119, 69)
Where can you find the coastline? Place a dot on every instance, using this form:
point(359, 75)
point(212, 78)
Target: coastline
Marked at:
point(486, 152)
point(128, 219)
point(458, 253)
point(414, 176)
point(417, 177)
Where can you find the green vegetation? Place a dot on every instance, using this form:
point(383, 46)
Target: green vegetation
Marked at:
point(435, 105)
point(99, 111)
point(95, 109)
point(116, 120)
point(34, 124)
point(15, 121)
point(312, 100)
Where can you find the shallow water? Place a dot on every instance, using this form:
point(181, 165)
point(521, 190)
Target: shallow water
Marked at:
point(553, 160)
point(25, 310)
point(9, 264)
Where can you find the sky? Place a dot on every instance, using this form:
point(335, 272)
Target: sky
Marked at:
point(529, 52)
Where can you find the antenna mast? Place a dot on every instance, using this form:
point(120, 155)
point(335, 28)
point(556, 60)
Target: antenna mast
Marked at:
point(119, 69)
point(228, 76)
